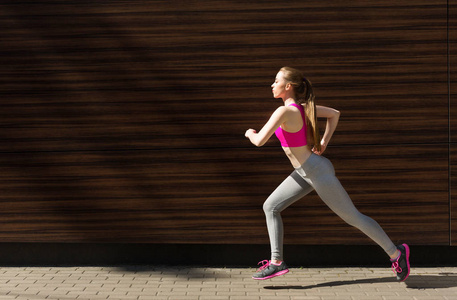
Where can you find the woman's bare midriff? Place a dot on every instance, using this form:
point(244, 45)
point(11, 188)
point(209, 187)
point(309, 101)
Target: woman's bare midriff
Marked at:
point(297, 155)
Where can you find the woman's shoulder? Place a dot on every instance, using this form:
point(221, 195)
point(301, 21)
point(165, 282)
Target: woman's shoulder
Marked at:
point(281, 110)
point(284, 113)
point(286, 110)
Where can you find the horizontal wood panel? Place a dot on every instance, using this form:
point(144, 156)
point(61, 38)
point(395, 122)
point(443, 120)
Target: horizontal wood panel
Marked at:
point(124, 121)
point(453, 118)
point(452, 69)
point(453, 197)
point(181, 196)
point(395, 186)
point(146, 75)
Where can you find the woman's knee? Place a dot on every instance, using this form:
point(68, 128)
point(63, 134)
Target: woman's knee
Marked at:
point(267, 207)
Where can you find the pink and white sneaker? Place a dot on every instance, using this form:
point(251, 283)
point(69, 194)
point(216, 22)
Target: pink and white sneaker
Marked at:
point(269, 270)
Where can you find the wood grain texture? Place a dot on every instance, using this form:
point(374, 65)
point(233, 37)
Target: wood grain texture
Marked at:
point(453, 197)
point(90, 76)
point(453, 117)
point(452, 69)
point(124, 121)
point(182, 196)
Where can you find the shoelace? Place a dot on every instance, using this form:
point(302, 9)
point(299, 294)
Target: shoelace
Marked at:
point(265, 263)
point(396, 267)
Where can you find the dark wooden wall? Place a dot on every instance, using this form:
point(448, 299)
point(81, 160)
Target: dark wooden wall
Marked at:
point(124, 121)
point(453, 118)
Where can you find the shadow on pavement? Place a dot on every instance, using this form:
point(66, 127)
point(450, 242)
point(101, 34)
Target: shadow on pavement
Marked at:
point(180, 272)
point(419, 282)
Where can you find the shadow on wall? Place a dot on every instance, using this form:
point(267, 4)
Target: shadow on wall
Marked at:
point(115, 101)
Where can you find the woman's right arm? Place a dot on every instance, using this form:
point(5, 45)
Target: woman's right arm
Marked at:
point(278, 117)
point(332, 116)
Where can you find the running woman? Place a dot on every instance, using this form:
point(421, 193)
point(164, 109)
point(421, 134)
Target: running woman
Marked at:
point(295, 125)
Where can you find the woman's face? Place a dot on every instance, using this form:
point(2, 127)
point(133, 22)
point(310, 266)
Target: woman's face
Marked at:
point(279, 86)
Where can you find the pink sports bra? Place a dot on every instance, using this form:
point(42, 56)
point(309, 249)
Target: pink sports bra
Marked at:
point(293, 139)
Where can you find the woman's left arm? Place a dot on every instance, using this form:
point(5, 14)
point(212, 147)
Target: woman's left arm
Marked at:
point(332, 116)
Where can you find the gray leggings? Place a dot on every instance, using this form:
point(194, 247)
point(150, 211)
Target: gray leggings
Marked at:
point(317, 173)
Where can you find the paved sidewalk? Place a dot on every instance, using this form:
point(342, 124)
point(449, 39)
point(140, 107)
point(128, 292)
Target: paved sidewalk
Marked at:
point(145, 282)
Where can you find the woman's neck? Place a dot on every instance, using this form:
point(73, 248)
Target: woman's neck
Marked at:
point(289, 101)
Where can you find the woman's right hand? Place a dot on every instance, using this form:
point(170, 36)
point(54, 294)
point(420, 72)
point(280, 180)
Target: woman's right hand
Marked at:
point(323, 147)
point(249, 132)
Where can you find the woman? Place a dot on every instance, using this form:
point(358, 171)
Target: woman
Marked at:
point(295, 125)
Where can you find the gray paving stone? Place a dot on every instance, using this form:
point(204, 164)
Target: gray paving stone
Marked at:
point(125, 283)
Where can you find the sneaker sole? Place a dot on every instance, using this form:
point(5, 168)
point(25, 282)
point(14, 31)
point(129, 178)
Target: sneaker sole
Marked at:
point(407, 261)
point(273, 275)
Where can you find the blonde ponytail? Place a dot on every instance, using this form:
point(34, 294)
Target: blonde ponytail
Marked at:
point(311, 121)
